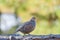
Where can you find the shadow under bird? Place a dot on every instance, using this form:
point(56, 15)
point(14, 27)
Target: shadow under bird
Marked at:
point(27, 27)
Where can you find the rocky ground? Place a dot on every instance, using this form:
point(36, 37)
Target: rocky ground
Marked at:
point(30, 37)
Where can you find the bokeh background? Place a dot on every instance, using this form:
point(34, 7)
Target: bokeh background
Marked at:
point(39, 8)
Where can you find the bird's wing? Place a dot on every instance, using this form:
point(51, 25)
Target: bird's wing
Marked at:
point(27, 27)
point(20, 26)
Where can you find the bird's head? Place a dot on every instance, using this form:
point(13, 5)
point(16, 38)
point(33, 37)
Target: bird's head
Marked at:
point(33, 18)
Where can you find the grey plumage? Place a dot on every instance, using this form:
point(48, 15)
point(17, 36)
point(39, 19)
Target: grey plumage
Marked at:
point(27, 27)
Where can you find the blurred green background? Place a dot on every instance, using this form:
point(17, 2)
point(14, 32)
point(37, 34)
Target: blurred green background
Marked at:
point(38, 8)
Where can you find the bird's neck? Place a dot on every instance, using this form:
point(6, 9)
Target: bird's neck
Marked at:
point(33, 22)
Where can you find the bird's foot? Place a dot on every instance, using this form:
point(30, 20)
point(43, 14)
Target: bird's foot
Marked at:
point(24, 35)
point(29, 34)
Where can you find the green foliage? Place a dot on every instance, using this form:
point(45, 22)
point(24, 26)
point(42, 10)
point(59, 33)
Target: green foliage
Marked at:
point(3, 1)
point(39, 16)
point(48, 0)
point(1, 31)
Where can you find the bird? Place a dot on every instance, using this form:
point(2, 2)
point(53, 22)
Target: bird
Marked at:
point(28, 26)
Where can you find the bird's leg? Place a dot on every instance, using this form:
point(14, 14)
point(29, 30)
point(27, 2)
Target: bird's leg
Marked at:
point(24, 35)
point(29, 34)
